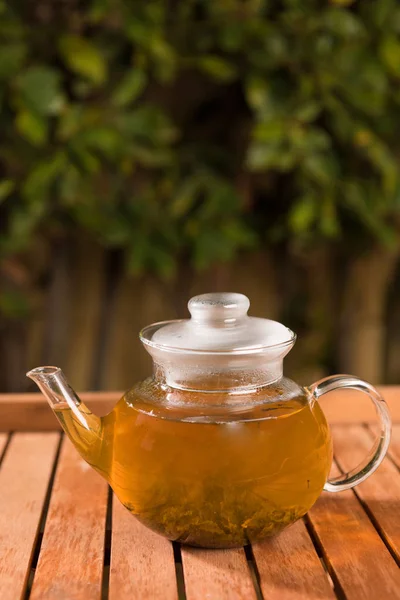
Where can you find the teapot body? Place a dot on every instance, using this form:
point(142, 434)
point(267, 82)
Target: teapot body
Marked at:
point(217, 449)
point(216, 470)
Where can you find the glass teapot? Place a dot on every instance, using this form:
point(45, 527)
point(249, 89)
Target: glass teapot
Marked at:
point(217, 449)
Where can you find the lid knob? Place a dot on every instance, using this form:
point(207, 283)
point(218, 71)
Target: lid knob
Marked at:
point(225, 307)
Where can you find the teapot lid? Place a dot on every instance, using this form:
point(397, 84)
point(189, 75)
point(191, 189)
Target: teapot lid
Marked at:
point(219, 323)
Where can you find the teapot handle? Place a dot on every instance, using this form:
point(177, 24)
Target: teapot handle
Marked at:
point(377, 453)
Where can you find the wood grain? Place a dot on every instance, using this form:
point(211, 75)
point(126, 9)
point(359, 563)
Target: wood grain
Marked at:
point(381, 491)
point(88, 275)
point(136, 305)
point(142, 562)
point(353, 407)
point(217, 574)
point(24, 479)
point(31, 412)
point(289, 567)
point(394, 448)
point(353, 550)
point(71, 558)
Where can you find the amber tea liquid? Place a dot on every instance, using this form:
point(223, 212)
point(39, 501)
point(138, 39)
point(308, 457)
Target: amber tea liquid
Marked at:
point(208, 472)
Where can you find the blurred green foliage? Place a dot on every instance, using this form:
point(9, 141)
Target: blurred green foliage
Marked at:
point(194, 129)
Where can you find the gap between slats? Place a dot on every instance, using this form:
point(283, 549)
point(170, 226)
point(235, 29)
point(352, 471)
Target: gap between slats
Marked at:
point(320, 542)
point(177, 554)
point(250, 560)
point(319, 549)
point(390, 459)
point(4, 445)
point(251, 564)
point(289, 564)
point(254, 573)
point(27, 464)
point(45, 510)
point(42, 525)
point(71, 559)
point(105, 584)
point(180, 580)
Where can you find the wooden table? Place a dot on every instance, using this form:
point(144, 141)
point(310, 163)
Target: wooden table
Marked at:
point(63, 535)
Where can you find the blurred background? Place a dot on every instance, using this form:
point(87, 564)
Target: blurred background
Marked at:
point(152, 150)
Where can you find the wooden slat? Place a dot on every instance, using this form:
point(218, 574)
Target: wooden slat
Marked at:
point(353, 550)
point(217, 574)
point(71, 558)
point(31, 412)
point(381, 491)
point(142, 562)
point(3, 442)
point(289, 567)
point(350, 406)
point(27, 412)
point(394, 448)
point(24, 478)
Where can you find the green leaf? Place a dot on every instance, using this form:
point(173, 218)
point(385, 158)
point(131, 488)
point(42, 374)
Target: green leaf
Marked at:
point(270, 131)
point(308, 111)
point(85, 158)
point(147, 123)
point(185, 197)
point(138, 30)
point(315, 139)
point(14, 304)
point(152, 157)
point(98, 10)
point(262, 157)
point(162, 261)
point(70, 185)
point(320, 167)
point(40, 91)
point(389, 52)
point(209, 249)
point(83, 58)
point(6, 187)
point(356, 196)
point(381, 14)
point(164, 58)
point(328, 223)
point(70, 121)
point(129, 88)
point(232, 36)
point(37, 185)
point(12, 57)
point(107, 140)
point(239, 233)
point(219, 68)
point(33, 127)
point(344, 23)
point(257, 93)
point(22, 222)
point(303, 214)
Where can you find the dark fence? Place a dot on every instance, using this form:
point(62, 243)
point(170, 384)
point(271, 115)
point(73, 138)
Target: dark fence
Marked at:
point(85, 314)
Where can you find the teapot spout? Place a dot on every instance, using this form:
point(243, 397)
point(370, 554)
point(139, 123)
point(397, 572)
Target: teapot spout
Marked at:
point(82, 427)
